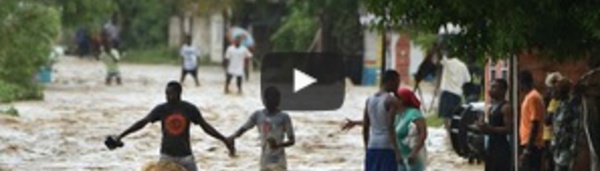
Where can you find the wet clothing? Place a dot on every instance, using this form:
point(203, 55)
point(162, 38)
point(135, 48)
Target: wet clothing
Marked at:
point(498, 155)
point(190, 55)
point(381, 160)
point(111, 60)
point(193, 72)
point(175, 122)
point(567, 129)
point(380, 153)
point(407, 136)
point(454, 75)
point(448, 103)
point(237, 57)
point(532, 109)
point(187, 162)
point(377, 113)
point(271, 126)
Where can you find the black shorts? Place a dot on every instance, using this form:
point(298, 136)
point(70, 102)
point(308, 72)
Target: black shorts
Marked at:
point(448, 103)
point(194, 72)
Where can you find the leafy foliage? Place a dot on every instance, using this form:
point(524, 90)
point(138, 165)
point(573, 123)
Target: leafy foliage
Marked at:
point(338, 20)
point(558, 28)
point(144, 23)
point(297, 31)
point(89, 13)
point(30, 30)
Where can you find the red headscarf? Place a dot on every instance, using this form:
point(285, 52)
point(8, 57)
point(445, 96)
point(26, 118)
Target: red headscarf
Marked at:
point(408, 97)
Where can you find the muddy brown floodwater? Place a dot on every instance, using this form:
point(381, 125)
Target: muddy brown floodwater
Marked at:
point(66, 130)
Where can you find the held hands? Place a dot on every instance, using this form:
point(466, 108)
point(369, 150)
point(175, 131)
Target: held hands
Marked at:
point(230, 143)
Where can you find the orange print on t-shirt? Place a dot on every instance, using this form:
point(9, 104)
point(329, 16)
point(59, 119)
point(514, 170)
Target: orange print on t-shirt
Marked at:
point(175, 124)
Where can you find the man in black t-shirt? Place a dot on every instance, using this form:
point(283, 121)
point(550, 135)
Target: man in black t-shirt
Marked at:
point(175, 117)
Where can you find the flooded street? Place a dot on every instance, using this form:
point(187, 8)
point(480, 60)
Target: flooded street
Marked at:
point(66, 130)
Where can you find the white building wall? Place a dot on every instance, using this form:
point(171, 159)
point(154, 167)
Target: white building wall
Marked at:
point(217, 37)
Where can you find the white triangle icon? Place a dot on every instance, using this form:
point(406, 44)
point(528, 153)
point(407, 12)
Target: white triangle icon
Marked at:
point(302, 80)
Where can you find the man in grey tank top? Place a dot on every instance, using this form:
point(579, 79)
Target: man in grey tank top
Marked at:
point(378, 126)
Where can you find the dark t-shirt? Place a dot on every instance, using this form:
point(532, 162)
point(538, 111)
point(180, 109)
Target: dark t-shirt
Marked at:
point(175, 122)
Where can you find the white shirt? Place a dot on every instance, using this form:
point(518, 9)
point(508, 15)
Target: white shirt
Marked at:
point(190, 57)
point(454, 75)
point(113, 30)
point(236, 57)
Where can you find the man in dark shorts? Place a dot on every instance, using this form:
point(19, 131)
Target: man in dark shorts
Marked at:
point(175, 117)
point(498, 128)
point(382, 152)
point(454, 75)
point(189, 55)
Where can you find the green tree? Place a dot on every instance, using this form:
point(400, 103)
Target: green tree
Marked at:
point(29, 31)
point(498, 28)
point(338, 21)
point(78, 13)
point(296, 31)
point(144, 23)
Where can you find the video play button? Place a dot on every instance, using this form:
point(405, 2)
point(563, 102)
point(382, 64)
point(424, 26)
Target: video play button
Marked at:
point(302, 80)
point(307, 81)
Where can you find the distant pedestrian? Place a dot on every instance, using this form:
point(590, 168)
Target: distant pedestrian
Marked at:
point(112, 31)
point(189, 55)
point(110, 56)
point(83, 39)
point(236, 55)
point(455, 74)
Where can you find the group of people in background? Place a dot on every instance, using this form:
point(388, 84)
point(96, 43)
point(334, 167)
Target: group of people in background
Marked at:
point(237, 57)
point(236, 60)
point(548, 136)
point(550, 126)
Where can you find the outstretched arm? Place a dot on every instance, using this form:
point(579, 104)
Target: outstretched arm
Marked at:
point(210, 130)
point(134, 128)
point(247, 126)
point(151, 117)
point(349, 124)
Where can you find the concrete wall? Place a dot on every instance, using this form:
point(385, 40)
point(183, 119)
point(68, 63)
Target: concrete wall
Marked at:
point(207, 34)
point(174, 32)
point(217, 25)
